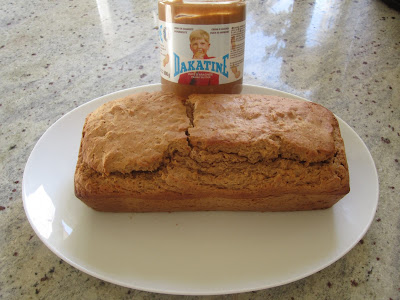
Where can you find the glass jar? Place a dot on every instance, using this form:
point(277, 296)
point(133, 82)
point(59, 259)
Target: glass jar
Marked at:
point(202, 46)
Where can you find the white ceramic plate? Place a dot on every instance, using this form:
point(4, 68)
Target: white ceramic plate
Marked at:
point(191, 253)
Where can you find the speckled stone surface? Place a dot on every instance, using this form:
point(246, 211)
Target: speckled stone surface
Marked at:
point(57, 55)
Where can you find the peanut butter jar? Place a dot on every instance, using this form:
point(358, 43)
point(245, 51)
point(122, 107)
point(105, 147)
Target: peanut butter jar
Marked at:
point(202, 46)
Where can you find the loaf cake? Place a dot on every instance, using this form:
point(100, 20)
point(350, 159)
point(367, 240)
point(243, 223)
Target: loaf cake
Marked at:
point(159, 152)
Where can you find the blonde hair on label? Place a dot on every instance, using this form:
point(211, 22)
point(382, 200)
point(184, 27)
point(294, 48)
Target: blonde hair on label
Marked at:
point(199, 34)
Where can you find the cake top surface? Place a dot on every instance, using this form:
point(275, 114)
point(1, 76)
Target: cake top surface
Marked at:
point(134, 133)
point(142, 131)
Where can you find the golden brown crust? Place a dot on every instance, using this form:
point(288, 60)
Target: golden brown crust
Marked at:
point(240, 152)
point(134, 133)
point(260, 127)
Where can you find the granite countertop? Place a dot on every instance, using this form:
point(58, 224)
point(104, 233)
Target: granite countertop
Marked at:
point(58, 55)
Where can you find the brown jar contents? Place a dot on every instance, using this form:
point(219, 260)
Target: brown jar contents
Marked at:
point(181, 26)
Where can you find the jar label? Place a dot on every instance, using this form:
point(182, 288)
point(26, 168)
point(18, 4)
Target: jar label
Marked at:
point(202, 54)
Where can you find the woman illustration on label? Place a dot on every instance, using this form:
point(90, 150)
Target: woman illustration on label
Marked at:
point(199, 44)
